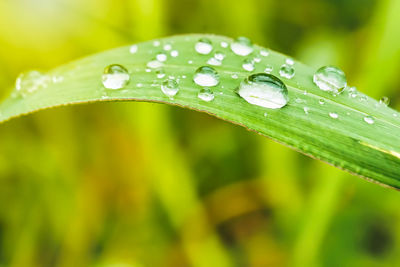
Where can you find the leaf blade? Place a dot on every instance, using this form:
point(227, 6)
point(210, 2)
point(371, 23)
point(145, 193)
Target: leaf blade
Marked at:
point(348, 142)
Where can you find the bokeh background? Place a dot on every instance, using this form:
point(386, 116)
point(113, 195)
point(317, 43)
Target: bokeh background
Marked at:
point(137, 184)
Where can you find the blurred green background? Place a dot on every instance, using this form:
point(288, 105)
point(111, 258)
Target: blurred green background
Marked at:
point(137, 184)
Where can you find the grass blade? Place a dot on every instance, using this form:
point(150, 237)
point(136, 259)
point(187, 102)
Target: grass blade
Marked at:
point(348, 142)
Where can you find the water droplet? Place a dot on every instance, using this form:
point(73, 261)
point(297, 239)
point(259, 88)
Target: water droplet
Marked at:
point(224, 44)
point(206, 76)
point(321, 101)
point(214, 61)
point(206, 94)
point(384, 101)
point(203, 46)
point(369, 120)
point(234, 76)
point(363, 98)
point(264, 90)
point(219, 55)
point(160, 73)
point(287, 71)
point(190, 62)
point(139, 85)
point(174, 53)
point(31, 81)
point(170, 88)
point(333, 115)
point(167, 47)
point(57, 79)
point(264, 52)
point(268, 69)
point(115, 77)
point(257, 60)
point(242, 46)
point(156, 43)
point(248, 65)
point(265, 114)
point(162, 57)
point(331, 79)
point(306, 110)
point(133, 49)
point(289, 61)
point(155, 64)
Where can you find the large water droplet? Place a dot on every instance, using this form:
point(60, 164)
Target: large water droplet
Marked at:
point(31, 81)
point(170, 88)
point(369, 120)
point(287, 71)
point(206, 76)
point(203, 46)
point(242, 46)
point(264, 90)
point(248, 65)
point(331, 79)
point(206, 94)
point(115, 77)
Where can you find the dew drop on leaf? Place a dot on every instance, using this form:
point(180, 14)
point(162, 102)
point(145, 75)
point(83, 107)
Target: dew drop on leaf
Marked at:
point(133, 49)
point(162, 57)
point(264, 90)
point(170, 87)
point(31, 81)
point(330, 79)
point(264, 52)
point(369, 120)
point(242, 46)
point(333, 115)
point(248, 65)
point(286, 71)
point(268, 69)
point(115, 77)
point(206, 94)
point(203, 46)
point(384, 101)
point(206, 76)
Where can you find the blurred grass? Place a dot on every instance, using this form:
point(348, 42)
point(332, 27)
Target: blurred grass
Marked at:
point(86, 185)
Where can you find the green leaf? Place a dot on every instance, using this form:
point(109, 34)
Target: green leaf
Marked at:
point(348, 142)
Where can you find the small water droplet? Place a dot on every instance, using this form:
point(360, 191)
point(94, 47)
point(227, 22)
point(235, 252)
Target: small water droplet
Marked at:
point(219, 55)
point(248, 65)
point(31, 81)
point(206, 94)
point(242, 46)
point(57, 79)
point(264, 52)
point(160, 73)
point(363, 98)
point(369, 120)
point(167, 47)
point(115, 77)
point(203, 46)
point(384, 101)
point(268, 69)
point(156, 43)
point(214, 61)
point(174, 53)
point(257, 60)
point(133, 49)
point(289, 61)
point(224, 44)
point(264, 90)
point(206, 76)
point(287, 71)
point(265, 114)
point(155, 64)
point(306, 110)
point(333, 115)
point(162, 57)
point(234, 76)
point(330, 79)
point(190, 62)
point(170, 88)
point(139, 85)
point(321, 101)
